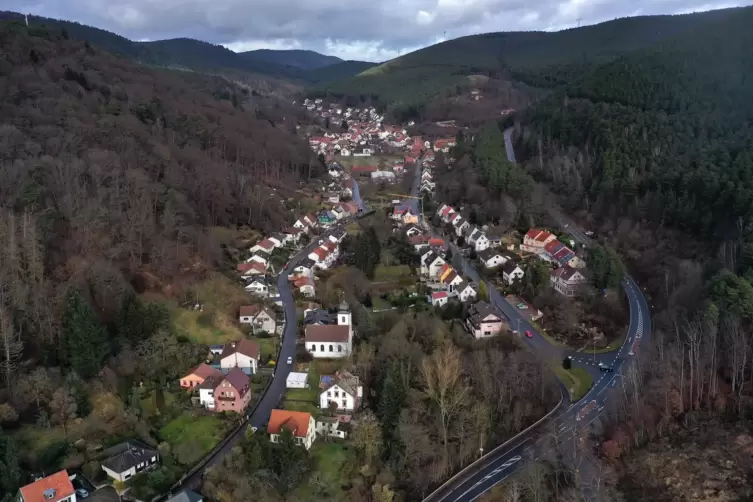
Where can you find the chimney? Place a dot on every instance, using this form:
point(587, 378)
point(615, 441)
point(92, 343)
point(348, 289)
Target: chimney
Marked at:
point(49, 494)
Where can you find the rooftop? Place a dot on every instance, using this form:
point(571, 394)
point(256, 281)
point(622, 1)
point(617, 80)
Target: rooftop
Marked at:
point(58, 484)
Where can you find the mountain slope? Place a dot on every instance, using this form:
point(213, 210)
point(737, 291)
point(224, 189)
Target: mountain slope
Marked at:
point(668, 131)
point(306, 60)
point(186, 53)
point(337, 71)
point(539, 59)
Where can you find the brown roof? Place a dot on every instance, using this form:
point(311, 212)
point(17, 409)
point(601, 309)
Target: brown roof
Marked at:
point(296, 422)
point(238, 379)
point(60, 482)
point(250, 310)
point(246, 347)
point(252, 265)
point(205, 371)
point(327, 333)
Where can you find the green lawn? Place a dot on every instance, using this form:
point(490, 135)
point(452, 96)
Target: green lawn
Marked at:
point(268, 346)
point(149, 403)
point(301, 406)
point(333, 462)
point(391, 273)
point(206, 431)
point(577, 380)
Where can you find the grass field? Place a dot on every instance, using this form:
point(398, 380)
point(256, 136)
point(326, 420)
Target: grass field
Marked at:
point(577, 380)
point(203, 431)
point(149, 403)
point(332, 470)
point(391, 273)
point(268, 346)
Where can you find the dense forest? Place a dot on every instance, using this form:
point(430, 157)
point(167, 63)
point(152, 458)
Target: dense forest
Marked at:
point(536, 59)
point(197, 55)
point(115, 179)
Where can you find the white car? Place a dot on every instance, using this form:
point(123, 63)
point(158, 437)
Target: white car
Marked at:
point(290, 360)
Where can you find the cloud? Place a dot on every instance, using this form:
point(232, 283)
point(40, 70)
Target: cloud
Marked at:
point(353, 29)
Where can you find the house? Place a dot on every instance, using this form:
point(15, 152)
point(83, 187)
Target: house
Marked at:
point(495, 241)
point(326, 218)
point(318, 317)
point(447, 214)
point(567, 280)
point(343, 389)
point(387, 176)
point(257, 286)
point(491, 258)
point(444, 145)
point(305, 267)
point(484, 320)
point(363, 170)
point(535, 239)
point(334, 170)
point(232, 392)
point(460, 225)
point(186, 495)
point(412, 229)
point(428, 186)
point(301, 225)
point(260, 256)
point(331, 340)
point(563, 255)
point(198, 375)
point(465, 292)
point(478, 240)
point(296, 380)
point(278, 239)
point(260, 317)
point(331, 426)
point(419, 242)
point(431, 264)
point(310, 220)
point(243, 354)
point(293, 234)
point(437, 244)
point(266, 245)
point(451, 280)
point(511, 272)
point(251, 268)
point(438, 299)
point(426, 175)
point(305, 285)
point(337, 235)
point(332, 198)
point(300, 424)
point(54, 488)
point(127, 459)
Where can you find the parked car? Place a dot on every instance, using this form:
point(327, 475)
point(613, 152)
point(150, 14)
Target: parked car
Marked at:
point(290, 360)
point(529, 334)
point(82, 493)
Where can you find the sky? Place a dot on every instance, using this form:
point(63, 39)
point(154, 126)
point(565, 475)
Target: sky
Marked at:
point(368, 30)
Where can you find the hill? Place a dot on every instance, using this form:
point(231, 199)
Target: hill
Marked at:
point(187, 53)
point(667, 131)
point(306, 60)
point(537, 59)
point(337, 71)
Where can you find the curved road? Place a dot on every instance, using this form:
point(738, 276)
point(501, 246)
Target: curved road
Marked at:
point(273, 395)
point(568, 423)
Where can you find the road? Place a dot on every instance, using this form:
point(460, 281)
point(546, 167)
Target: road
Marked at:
point(273, 396)
point(568, 423)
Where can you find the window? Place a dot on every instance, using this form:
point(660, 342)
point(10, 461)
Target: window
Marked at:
point(330, 348)
point(322, 347)
point(339, 348)
point(313, 348)
point(337, 393)
point(345, 403)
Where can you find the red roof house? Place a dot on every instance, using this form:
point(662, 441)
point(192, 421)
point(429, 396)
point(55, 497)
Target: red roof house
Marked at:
point(58, 486)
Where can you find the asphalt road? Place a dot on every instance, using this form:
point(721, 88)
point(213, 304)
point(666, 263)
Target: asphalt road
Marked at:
point(568, 423)
point(274, 393)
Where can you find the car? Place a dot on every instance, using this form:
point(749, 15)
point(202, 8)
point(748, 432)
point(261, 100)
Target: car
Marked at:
point(529, 334)
point(82, 493)
point(290, 360)
point(605, 368)
point(522, 306)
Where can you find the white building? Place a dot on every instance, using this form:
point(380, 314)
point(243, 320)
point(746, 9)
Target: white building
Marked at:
point(511, 272)
point(300, 424)
point(343, 389)
point(296, 380)
point(332, 340)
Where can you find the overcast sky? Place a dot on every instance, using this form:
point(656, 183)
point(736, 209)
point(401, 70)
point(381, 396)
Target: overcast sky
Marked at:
point(372, 30)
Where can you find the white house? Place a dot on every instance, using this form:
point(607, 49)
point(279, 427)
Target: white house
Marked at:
point(343, 389)
point(567, 280)
point(257, 286)
point(330, 426)
point(243, 354)
point(260, 317)
point(261, 257)
point(127, 459)
point(484, 320)
point(300, 424)
point(301, 225)
point(431, 263)
point(478, 240)
point(451, 280)
point(460, 225)
point(439, 298)
point(465, 292)
point(267, 245)
point(296, 380)
point(511, 272)
point(491, 258)
point(331, 340)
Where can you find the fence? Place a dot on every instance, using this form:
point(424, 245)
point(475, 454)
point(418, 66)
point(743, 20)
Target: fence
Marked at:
point(469, 469)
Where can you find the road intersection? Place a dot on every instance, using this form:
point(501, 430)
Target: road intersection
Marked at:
point(569, 421)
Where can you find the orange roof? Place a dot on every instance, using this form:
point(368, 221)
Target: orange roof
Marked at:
point(204, 371)
point(252, 265)
point(436, 242)
point(296, 422)
point(59, 482)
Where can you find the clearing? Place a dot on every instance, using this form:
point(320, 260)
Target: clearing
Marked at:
point(577, 380)
point(191, 436)
point(334, 466)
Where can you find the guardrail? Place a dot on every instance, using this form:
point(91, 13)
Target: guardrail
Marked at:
point(480, 461)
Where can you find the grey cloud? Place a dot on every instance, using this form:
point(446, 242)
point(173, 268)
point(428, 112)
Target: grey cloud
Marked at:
point(386, 25)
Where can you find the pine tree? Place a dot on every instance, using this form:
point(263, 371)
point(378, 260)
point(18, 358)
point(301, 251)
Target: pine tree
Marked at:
point(85, 345)
point(391, 399)
point(483, 294)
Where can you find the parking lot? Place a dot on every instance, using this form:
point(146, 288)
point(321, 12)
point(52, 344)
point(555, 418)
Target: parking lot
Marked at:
point(528, 311)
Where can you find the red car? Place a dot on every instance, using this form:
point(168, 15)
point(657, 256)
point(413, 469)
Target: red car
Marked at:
point(529, 334)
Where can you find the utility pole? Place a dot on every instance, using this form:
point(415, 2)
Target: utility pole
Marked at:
point(579, 19)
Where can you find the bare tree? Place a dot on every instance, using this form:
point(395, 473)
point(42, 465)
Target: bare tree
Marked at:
point(12, 347)
point(63, 407)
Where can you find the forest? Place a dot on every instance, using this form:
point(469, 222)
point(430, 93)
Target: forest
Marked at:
point(117, 180)
point(531, 60)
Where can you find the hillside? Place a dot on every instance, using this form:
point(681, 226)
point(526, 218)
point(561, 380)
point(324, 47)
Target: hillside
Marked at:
point(538, 59)
point(186, 53)
point(667, 130)
point(306, 60)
